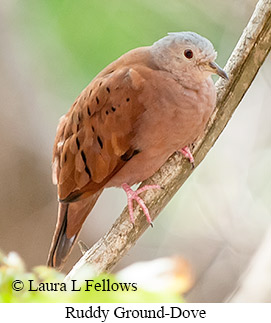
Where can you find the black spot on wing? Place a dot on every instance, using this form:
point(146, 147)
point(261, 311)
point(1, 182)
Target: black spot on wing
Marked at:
point(89, 112)
point(129, 154)
point(77, 143)
point(85, 162)
point(100, 142)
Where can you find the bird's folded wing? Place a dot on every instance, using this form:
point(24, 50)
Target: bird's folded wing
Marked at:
point(95, 138)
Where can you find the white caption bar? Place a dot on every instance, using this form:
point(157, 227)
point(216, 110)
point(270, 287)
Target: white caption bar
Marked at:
point(211, 313)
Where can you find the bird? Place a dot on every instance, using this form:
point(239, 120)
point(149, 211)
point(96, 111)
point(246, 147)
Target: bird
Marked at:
point(140, 109)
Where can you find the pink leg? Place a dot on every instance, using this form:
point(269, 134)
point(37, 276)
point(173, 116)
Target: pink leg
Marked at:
point(187, 154)
point(133, 195)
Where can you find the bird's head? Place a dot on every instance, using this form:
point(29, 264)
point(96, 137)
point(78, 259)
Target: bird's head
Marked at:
point(187, 54)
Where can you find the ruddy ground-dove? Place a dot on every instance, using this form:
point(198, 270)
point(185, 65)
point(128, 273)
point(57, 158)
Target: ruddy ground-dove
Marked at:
point(140, 109)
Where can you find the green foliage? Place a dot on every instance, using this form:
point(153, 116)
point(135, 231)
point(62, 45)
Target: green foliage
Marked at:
point(12, 269)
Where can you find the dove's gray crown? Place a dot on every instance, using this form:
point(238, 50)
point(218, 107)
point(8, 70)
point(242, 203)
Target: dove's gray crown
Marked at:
point(186, 39)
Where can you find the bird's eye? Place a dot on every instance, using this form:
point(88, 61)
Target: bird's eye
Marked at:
point(188, 53)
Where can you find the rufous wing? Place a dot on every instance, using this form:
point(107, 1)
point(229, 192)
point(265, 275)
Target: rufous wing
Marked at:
point(94, 140)
point(96, 135)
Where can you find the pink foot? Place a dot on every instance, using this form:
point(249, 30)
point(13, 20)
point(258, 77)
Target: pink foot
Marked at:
point(133, 195)
point(187, 154)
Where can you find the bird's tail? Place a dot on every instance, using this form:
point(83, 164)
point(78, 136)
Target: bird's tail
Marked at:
point(71, 217)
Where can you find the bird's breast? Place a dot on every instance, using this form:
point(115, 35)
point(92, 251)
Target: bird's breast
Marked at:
point(174, 115)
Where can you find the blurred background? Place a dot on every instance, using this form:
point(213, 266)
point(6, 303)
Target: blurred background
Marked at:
point(219, 221)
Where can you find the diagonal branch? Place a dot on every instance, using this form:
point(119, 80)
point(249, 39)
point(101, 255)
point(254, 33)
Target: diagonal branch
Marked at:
point(242, 67)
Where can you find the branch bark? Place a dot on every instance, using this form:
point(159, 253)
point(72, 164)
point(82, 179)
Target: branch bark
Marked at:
point(242, 67)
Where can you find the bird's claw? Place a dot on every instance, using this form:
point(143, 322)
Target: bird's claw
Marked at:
point(185, 151)
point(133, 195)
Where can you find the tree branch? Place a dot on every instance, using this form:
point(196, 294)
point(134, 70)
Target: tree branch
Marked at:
point(242, 67)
